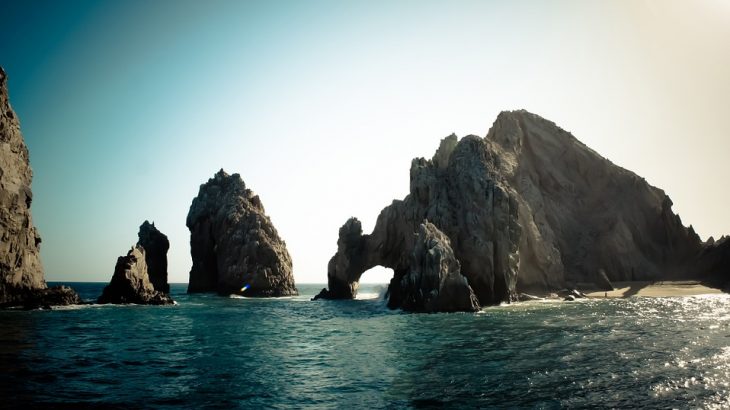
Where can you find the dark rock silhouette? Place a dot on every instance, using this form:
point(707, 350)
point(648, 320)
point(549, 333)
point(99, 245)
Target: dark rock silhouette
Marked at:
point(131, 284)
point(234, 245)
point(713, 263)
point(53, 296)
point(528, 208)
point(156, 245)
point(21, 271)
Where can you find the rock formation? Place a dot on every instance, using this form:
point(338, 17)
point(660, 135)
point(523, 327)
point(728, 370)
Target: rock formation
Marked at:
point(131, 284)
point(234, 246)
point(434, 282)
point(141, 276)
point(713, 263)
point(156, 245)
point(527, 208)
point(21, 272)
point(462, 195)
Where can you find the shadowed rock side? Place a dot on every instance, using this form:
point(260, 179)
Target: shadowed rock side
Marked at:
point(528, 208)
point(434, 282)
point(234, 246)
point(156, 245)
point(21, 272)
point(714, 263)
point(131, 284)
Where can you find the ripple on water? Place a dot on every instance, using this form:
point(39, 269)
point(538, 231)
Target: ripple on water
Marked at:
point(230, 352)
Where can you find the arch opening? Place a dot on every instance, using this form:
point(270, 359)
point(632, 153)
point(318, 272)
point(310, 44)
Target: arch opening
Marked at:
point(373, 283)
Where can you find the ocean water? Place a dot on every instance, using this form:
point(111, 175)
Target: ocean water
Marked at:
point(219, 352)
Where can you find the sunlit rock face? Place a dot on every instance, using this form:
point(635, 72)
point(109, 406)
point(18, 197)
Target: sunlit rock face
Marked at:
point(581, 213)
point(234, 245)
point(528, 208)
point(21, 272)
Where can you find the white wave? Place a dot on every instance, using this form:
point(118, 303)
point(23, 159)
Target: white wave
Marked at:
point(234, 296)
point(367, 295)
point(103, 306)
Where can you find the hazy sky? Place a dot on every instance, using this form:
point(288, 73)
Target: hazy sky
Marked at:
point(128, 106)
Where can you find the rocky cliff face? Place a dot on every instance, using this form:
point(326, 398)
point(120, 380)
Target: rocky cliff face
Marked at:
point(21, 272)
point(156, 245)
point(131, 284)
point(434, 282)
point(581, 213)
point(528, 208)
point(234, 246)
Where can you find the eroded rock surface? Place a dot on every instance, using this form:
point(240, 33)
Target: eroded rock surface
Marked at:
point(156, 245)
point(21, 271)
point(434, 282)
point(234, 245)
point(131, 284)
point(528, 208)
point(581, 214)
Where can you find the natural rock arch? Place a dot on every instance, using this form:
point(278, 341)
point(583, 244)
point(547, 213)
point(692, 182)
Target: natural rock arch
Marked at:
point(455, 193)
point(528, 208)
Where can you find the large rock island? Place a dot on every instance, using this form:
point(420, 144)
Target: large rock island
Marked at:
point(21, 272)
point(140, 277)
point(234, 246)
point(528, 208)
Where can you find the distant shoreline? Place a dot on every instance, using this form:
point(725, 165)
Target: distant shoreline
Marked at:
point(656, 289)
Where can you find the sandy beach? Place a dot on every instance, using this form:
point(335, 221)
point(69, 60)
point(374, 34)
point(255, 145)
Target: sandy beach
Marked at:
point(655, 289)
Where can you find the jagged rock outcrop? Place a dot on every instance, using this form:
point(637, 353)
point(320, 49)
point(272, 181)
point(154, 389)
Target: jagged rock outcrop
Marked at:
point(434, 282)
point(131, 284)
point(462, 195)
point(527, 208)
point(234, 245)
point(21, 271)
point(156, 245)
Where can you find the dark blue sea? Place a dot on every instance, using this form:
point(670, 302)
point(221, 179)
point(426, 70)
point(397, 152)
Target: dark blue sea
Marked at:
point(219, 352)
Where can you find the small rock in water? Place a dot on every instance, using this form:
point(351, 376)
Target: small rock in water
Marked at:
point(131, 283)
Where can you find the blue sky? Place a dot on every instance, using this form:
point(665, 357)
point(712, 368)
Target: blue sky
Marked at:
point(128, 106)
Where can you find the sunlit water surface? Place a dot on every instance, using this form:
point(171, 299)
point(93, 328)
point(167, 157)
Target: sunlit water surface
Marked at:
point(218, 352)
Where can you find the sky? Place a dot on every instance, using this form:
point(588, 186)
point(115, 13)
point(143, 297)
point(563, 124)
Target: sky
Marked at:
point(128, 106)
